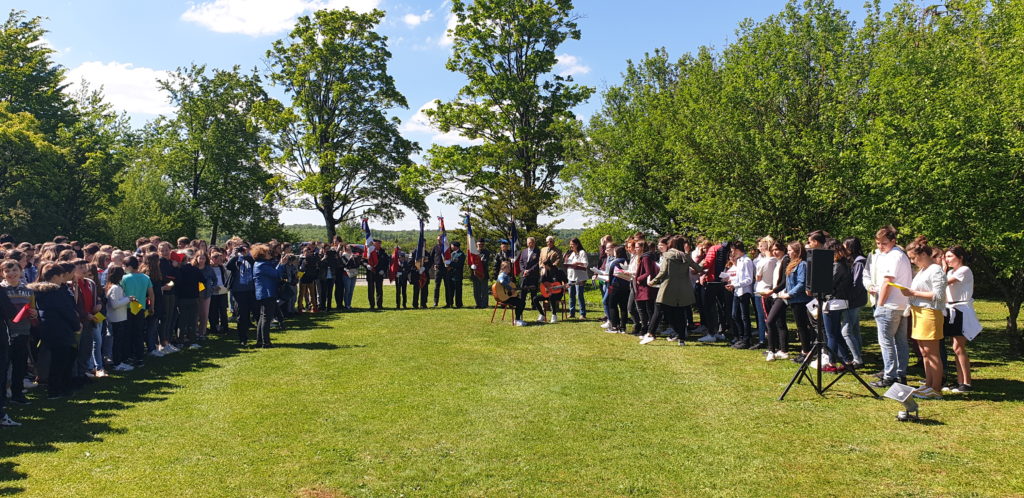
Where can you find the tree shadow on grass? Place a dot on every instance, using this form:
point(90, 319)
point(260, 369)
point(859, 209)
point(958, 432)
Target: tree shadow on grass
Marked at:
point(85, 416)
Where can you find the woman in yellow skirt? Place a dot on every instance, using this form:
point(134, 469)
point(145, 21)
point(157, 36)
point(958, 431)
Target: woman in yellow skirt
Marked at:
point(927, 296)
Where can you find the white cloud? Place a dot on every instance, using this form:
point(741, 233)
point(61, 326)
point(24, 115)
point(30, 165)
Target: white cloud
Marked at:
point(569, 65)
point(262, 17)
point(420, 123)
point(448, 38)
point(414, 20)
point(127, 88)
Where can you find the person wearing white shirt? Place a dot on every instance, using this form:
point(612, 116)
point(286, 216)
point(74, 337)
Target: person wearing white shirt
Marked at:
point(741, 284)
point(890, 266)
point(576, 270)
point(962, 319)
point(927, 300)
point(764, 269)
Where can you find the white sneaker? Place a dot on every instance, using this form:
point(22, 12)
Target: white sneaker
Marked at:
point(647, 339)
point(707, 338)
point(606, 324)
point(156, 353)
point(781, 355)
point(29, 384)
point(542, 319)
point(553, 319)
point(90, 375)
point(102, 373)
point(612, 330)
point(195, 346)
point(6, 421)
point(518, 323)
point(719, 336)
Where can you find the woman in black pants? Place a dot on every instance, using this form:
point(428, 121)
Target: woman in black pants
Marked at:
point(618, 291)
point(59, 324)
point(675, 291)
point(775, 317)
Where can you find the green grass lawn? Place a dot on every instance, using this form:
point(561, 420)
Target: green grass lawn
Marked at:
point(441, 402)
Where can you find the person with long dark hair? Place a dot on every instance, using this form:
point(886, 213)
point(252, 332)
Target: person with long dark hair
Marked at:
point(643, 294)
point(618, 290)
point(796, 297)
point(834, 310)
point(675, 290)
point(576, 271)
point(960, 308)
point(858, 299)
point(59, 323)
point(775, 316)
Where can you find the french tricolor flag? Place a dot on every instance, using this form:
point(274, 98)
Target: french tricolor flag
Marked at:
point(445, 246)
point(371, 250)
point(472, 253)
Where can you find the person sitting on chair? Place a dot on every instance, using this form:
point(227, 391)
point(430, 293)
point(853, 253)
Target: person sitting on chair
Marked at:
point(552, 285)
point(507, 294)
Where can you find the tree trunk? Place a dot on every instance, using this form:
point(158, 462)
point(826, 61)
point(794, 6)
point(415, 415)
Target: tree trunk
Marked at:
point(213, 233)
point(332, 225)
point(1012, 331)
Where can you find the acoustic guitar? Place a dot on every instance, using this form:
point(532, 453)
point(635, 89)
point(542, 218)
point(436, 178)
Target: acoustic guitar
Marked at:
point(547, 289)
point(499, 292)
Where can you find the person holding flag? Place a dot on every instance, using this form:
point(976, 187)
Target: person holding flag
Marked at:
point(478, 258)
point(454, 273)
point(375, 270)
point(441, 257)
point(421, 278)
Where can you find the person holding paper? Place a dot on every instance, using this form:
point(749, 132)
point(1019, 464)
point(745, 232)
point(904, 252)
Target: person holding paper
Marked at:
point(675, 292)
point(962, 324)
point(618, 289)
point(927, 299)
point(20, 297)
point(891, 265)
point(576, 271)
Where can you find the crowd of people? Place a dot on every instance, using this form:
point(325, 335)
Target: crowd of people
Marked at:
point(71, 313)
point(675, 287)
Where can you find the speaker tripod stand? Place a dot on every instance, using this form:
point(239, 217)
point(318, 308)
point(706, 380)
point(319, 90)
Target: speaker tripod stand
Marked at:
point(817, 349)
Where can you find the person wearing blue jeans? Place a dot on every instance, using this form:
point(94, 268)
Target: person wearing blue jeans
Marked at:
point(892, 339)
point(851, 334)
point(890, 266)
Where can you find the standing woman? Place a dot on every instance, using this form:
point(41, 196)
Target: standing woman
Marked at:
point(156, 345)
point(796, 297)
point(775, 318)
point(618, 290)
point(646, 268)
point(927, 295)
point(960, 305)
point(602, 261)
point(576, 270)
point(834, 311)
point(764, 268)
point(675, 292)
point(328, 276)
point(202, 263)
point(858, 299)
point(267, 275)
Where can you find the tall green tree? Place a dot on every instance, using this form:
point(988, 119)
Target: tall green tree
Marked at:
point(29, 79)
point(335, 149)
point(513, 103)
point(27, 160)
point(211, 149)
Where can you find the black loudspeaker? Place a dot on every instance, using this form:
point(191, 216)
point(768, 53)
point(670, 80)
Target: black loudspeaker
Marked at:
point(819, 270)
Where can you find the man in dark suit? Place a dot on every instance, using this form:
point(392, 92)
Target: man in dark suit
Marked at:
point(440, 266)
point(454, 273)
point(375, 277)
point(480, 287)
point(503, 255)
point(529, 268)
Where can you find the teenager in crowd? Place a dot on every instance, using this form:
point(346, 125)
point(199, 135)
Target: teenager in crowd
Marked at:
point(7, 314)
point(309, 273)
point(60, 321)
point(834, 310)
point(186, 289)
point(927, 300)
point(715, 295)
point(674, 288)
point(858, 299)
point(328, 277)
point(117, 317)
point(19, 333)
point(602, 262)
point(576, 271)
point(243, 290)
point(219, 293)
point(764, 268)
point(514, 299)
point(795, 297)
point(775, 318)
point(353, 261)
point(618, 289)
point(89, 299)
point(741, 285)
point(644, 294)
point(156, 344)
point(168, 308)
point(960, 308)
point(890, 266)
point(632, 260)
point(267, 277)
point(201, 261)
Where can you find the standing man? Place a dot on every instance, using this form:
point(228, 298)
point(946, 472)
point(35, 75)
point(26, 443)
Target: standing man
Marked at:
point(420, 278)
point(375, 277)
point(504, 254)
point(440, 267)
point(549, 254)
point(243, 290)
point(891, 266)
point(480, 287)
point(529, 268)
point(453, 287)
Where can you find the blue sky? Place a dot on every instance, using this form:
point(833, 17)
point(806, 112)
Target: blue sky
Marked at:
point(125, 45)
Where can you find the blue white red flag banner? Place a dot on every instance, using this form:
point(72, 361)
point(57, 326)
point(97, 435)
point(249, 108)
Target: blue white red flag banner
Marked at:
point(472, 253)
point(446, 248)
point(515, 248)
point(371, 252)
point(421, 245)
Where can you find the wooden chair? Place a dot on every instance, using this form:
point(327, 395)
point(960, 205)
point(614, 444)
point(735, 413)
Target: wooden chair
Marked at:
point(498, 304)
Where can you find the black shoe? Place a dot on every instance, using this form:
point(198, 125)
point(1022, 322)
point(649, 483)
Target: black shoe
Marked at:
point(881, 383)
point(759, 345)
point(741, 344)
point(798, 359)
point(902, 380)
point(878, 375)
point(682, 343)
